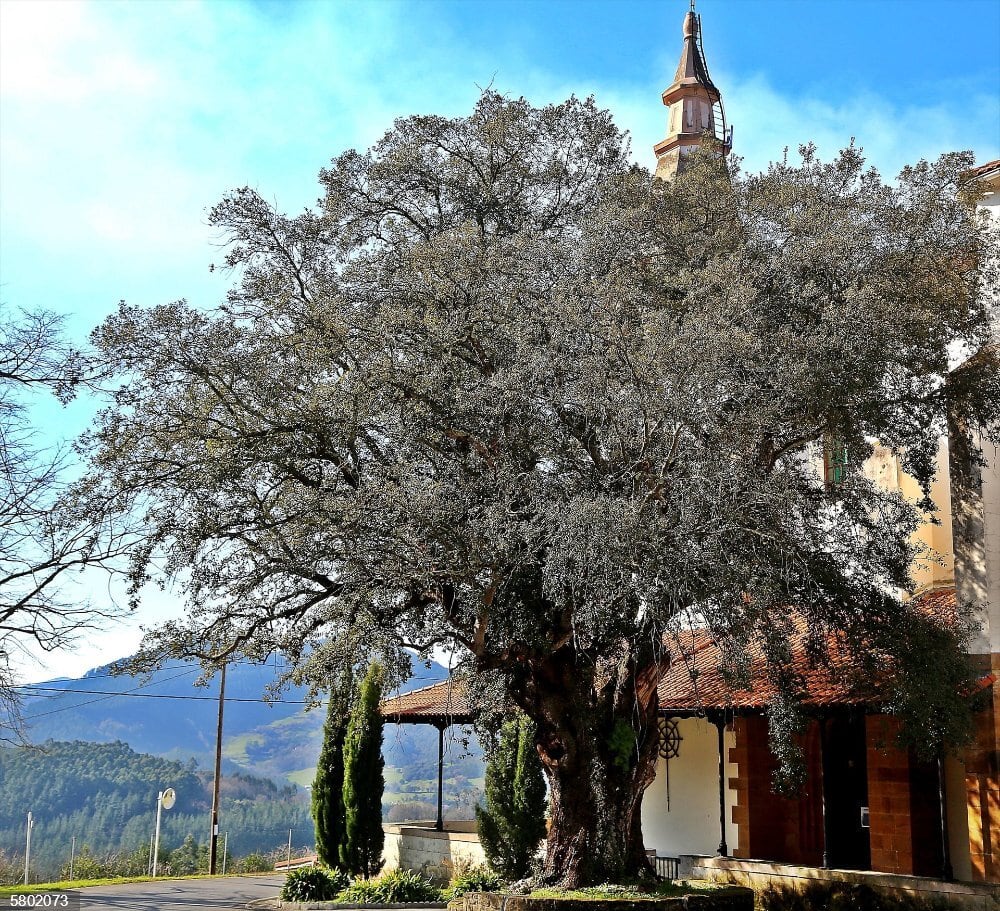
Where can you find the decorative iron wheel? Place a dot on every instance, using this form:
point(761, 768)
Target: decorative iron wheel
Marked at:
point(670, 738)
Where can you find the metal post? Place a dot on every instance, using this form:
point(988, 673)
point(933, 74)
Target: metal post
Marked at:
point(27, 847)
point(72, 857)
point(439, 825)
point(947, 874)
point(213, 838)
point(822, 785)
point(720, 725)
point(225, 852)
point(288, 864)
point(156, 838)
point(149, 866)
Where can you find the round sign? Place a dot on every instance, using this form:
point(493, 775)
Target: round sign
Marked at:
point(169, 796)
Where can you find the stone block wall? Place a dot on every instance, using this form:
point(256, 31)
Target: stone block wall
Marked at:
point(433, 853)
point(888, 797)
point(789, 830)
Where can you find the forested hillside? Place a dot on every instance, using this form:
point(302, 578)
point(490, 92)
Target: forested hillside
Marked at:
point(104, 794)
point(167, 715)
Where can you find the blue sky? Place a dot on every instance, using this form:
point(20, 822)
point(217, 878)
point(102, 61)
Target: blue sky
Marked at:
point(121, 123)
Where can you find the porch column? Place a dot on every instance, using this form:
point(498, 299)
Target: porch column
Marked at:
point(947, 874)
point(720, 725)
point(821, 721)
point(439, 825)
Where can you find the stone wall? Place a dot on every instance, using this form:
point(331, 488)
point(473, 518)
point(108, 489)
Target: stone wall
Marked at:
point(772, 826)
point(732, 899)
point(758, 875)
point(422, 848)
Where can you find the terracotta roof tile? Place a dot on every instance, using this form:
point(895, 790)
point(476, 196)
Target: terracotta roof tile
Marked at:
point(694, 681)
point(441, 701)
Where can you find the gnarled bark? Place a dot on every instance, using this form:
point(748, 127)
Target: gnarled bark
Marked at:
point(597, 738)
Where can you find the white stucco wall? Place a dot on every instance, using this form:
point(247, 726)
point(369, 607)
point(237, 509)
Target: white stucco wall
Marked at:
point(691, 825)
point(988, 640)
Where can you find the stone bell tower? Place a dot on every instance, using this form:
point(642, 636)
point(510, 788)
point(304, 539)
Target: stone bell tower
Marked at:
point(695, 106)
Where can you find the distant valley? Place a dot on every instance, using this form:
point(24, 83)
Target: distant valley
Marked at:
point(270, 751)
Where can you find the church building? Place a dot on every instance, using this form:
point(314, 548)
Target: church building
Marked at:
point(867, 805)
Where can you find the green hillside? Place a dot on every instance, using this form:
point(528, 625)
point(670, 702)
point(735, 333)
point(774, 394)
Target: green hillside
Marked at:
point(105, 796)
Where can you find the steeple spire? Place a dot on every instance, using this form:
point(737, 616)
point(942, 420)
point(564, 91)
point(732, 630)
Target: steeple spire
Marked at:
point(695, 105)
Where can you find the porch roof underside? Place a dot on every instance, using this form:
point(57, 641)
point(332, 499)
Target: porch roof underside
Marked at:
point(694, 682)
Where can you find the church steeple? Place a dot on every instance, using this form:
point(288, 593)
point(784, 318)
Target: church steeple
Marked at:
point(694, 103)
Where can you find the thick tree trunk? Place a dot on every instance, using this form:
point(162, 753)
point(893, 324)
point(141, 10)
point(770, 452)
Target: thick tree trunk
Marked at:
point(597, 737)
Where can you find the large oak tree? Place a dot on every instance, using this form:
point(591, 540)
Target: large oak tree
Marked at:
point(504, 392)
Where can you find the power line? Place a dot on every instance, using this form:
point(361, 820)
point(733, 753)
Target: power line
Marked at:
point(78, 705)
point(53, 689)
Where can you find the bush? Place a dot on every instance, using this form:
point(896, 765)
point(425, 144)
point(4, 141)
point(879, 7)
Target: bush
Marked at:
point(843, 897)
point(392, 887)
point(87, 865)
point(476, 879)
point(361, 892)
point(308, 884)
point(253, 863)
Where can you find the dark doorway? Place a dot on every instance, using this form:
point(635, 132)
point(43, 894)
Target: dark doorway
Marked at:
point(845, 790)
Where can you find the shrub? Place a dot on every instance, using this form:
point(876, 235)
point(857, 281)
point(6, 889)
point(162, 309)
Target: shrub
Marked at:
point(512, 823)
point(309, 884)
point(476, 879)
point(253, 863)
point(392, 887)
point(361, 892)
point(406, 886)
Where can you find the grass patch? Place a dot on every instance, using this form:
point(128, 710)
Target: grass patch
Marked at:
point(302, 777)
point(608, 892)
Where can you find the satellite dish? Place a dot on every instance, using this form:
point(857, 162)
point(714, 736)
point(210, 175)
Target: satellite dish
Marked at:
point(169, 796)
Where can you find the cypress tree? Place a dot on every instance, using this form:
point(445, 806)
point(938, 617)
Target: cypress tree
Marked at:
point(328, 786)
point(512, 823)
point(361, 851)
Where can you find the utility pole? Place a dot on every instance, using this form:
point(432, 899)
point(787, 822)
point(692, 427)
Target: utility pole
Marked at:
point(288, 865)
point(72, 856)
point(213, 840)
point(27, 846)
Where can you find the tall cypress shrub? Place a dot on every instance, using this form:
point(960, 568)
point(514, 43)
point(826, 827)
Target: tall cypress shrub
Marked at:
point(361, 851)
point(328, 785)
point(512, 824)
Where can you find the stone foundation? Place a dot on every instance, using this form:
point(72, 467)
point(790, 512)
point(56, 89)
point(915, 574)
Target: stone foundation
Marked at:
point(734, 899)
point(759, 874)
point(420, 847)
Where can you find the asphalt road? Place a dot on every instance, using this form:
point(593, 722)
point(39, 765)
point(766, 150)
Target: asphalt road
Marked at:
point(218, 894)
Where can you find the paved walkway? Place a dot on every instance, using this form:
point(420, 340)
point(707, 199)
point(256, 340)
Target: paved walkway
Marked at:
point(216, 894)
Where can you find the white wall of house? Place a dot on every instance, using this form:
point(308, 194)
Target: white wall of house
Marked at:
point(991, 491)
point(991, 521)
point(691, 824)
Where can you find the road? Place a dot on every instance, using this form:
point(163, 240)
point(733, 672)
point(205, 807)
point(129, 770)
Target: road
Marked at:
point(217, 894)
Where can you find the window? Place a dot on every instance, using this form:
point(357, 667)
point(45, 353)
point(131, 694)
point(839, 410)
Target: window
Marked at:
point(834, 461)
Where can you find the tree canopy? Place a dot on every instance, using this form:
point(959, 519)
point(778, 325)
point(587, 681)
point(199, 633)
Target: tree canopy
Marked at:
point(504, 392)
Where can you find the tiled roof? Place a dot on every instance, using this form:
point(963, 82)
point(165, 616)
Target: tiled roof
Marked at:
point(694, 682)
point(985, 168)
point(441, 701)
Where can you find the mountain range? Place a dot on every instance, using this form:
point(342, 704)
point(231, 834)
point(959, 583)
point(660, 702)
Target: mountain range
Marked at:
point(166, 714)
